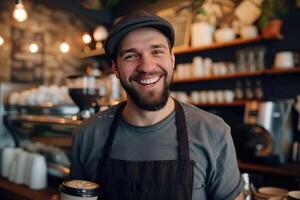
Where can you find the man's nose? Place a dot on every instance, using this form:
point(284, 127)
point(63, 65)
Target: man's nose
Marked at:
point(146, 63)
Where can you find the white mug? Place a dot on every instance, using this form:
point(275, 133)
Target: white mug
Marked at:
point(38, 173)
point(202, 34)
point(224, 35)
point(7, 158)
point(248, 31)
point(285, 59)
point(292, 195)
point(20, 168)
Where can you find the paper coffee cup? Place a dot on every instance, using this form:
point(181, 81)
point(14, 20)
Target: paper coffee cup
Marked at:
point(78, 190)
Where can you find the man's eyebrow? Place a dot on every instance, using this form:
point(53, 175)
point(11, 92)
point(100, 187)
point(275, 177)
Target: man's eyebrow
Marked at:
point(122, 52)
point(160, 45)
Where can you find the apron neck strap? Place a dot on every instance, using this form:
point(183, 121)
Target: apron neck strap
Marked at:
point(182, 134)
point(113, 130)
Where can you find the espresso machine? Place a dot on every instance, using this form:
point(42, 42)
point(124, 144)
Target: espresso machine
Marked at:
point(267, 134)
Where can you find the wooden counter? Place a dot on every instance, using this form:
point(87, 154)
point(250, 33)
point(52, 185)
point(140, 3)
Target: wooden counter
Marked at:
point(291, 170)
point(22, 192)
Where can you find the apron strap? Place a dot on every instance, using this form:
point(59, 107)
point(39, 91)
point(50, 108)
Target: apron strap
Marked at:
point(112, 132)
point(182, 134)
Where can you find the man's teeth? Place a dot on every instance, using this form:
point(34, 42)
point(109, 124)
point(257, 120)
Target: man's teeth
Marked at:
point(149, 81)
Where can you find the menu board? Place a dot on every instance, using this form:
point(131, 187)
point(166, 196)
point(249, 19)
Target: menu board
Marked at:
point(27, 66)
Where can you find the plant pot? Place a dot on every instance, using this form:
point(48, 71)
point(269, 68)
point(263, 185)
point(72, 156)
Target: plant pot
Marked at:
point(273, 29)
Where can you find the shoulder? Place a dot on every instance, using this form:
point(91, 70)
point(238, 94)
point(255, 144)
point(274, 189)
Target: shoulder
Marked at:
point(100, 121)
point(206, 125)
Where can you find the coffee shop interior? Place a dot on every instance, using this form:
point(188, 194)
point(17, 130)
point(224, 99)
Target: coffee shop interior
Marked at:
point(238, 59)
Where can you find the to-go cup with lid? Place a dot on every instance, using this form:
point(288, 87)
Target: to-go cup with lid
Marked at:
point(78, 190)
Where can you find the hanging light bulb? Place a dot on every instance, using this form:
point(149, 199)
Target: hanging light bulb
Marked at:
point(86, 38)
point(19, 12)
point(99, 35)
point(1, 40)
point(64, 47)
point(33, 48)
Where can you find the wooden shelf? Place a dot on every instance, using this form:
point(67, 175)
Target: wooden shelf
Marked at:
point(278, 70)
point(227, 76)
point(61, 141)
point(281, 170)
point(235, 103)
point(92, 53)
point(179, 51)
point(25, 192)
point(241, 75)
point(237, 41)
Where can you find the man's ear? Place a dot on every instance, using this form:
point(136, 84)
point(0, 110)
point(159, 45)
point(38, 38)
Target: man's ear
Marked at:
point(115, 69)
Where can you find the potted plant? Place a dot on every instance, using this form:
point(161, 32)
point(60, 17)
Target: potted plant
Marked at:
point(270, 20)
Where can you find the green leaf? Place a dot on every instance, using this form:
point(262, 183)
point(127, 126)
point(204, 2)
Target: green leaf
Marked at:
point(201, 11)
point(112, 3)
point(263, 21)
point(150, 1)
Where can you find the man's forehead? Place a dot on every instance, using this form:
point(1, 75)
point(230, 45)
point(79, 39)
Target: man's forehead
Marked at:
point(141, 37)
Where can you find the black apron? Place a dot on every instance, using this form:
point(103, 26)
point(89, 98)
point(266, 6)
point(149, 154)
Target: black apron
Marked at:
point(147, 180)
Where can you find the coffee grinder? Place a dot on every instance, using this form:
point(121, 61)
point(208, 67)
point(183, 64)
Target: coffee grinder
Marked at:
point(85, 92)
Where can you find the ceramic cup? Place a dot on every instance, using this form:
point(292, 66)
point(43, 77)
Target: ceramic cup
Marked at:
point(38, 172)
point(19, 176)
point(249, 31)
point(292, 195)
point(268, 192)
point(7, 158)
point(224, 35)
point(78, 190)
point(202, 34)
point(285, 59)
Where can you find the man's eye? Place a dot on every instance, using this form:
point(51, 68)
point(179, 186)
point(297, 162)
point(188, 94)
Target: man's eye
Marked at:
point(129, 56)
point(157, 52)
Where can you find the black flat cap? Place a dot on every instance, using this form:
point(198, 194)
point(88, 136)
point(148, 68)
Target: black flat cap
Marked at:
point(134, 20)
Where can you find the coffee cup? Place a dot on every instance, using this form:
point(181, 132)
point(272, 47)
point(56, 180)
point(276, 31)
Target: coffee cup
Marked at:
point(78, 190)
point(249, 31)
point(285, 59)
point(292, 195)
point(224, 35)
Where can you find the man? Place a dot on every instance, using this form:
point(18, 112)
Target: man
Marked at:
point(152, 146)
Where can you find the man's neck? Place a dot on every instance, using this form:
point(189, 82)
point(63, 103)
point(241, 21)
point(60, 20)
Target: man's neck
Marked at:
point(139, 117)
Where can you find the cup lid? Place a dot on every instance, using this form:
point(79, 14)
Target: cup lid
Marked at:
point(79, 188)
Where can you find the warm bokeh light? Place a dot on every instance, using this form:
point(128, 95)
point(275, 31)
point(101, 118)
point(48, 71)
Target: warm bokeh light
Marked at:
point(64, 47)
point(33, 48)
point(19, 12)
point(100, 33)
point(1, 40)
point(86, 38)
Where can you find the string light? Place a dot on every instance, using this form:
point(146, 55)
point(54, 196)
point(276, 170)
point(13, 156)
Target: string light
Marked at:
point(100, 34)
point(19, 12)
point(33, 48)
point(1, 40)
point(86, 38)
point(64, 47)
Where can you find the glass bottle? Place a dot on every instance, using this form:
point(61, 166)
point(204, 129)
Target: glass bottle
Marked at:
point(259, 94)
point(238, 93)
point(248, 91)
point(247, 190)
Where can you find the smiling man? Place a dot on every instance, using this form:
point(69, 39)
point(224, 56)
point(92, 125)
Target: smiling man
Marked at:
point(151, 146)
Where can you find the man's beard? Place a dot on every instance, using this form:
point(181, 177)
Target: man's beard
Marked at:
point(147, 102)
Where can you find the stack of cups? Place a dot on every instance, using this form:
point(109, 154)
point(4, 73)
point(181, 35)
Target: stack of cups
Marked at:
point(22, 167)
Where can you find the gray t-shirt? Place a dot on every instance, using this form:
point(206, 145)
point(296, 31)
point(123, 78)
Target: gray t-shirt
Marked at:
point(216, 174)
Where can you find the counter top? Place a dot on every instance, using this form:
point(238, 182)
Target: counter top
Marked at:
point(25, 192)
